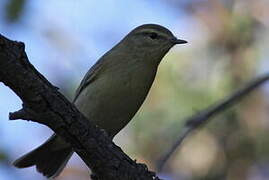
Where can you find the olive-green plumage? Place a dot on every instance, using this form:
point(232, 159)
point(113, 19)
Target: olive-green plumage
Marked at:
point(111, 92)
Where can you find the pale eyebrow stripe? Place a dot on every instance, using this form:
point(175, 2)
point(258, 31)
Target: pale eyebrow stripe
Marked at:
point(160, 33)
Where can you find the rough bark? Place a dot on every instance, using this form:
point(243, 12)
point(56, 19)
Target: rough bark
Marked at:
point(43, 103)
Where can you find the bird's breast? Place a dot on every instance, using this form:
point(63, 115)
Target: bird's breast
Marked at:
point(115, 96)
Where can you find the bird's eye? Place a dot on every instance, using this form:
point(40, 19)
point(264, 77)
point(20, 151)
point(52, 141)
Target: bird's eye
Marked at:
point(153, 35)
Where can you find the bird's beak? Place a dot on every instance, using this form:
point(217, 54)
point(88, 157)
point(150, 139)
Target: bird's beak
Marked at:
point(178, 41)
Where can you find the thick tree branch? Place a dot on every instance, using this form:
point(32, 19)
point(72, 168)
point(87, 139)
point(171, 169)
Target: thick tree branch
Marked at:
point(203, 116)
point(42, 103)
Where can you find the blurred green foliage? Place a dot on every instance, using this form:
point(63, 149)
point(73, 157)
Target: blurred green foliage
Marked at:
point(225, 52)
point(14, 10)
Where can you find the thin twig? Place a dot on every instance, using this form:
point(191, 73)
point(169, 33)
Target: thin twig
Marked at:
point(203, 116)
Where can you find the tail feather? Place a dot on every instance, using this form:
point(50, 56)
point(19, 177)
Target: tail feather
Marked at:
point(48, 158)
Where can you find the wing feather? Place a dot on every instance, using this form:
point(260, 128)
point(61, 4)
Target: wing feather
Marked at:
point(90, 76)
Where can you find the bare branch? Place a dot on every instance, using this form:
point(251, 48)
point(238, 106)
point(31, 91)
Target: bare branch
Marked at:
point(42, 103)
point(203, 116)
point(20, 114)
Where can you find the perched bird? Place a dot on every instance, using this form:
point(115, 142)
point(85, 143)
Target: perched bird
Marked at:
point(111, 92)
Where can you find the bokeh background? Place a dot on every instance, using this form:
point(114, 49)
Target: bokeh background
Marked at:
point(228, 45)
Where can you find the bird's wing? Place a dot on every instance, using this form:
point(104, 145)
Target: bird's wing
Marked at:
point(90, 76)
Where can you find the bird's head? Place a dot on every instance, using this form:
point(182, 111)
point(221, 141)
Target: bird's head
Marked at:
point(150, 41)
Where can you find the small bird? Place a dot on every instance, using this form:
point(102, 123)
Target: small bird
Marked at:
point(110, 93)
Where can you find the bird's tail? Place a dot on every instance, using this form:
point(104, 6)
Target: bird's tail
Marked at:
point(50, 158)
